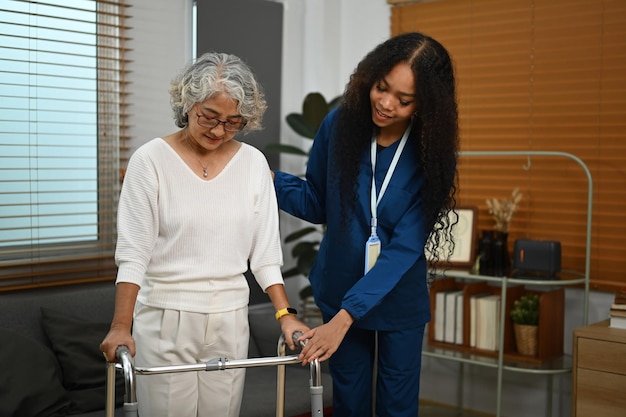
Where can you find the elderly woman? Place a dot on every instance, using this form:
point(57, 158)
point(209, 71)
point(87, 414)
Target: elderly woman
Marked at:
point(196, 208)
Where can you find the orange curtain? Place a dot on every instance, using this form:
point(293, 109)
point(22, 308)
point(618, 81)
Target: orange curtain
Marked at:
point(541, 75)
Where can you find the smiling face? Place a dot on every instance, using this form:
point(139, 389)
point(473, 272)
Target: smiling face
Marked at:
point(221, 107)
point(393, 100)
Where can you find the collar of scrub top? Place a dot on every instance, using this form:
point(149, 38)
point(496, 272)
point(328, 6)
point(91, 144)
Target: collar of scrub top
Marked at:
point(374, 198)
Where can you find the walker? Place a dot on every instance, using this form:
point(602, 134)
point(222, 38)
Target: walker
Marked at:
point(126, 365)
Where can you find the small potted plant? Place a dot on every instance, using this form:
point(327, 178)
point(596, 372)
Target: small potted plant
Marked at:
point(525, 317)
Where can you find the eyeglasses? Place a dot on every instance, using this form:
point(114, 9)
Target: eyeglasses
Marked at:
point(211, 123)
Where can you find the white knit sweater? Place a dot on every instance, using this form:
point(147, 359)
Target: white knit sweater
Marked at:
point(187, 242)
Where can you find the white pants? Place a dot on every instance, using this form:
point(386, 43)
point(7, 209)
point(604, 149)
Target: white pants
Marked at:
point(168, 337)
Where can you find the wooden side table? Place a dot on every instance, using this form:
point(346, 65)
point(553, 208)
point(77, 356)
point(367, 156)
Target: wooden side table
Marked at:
point(599, 371)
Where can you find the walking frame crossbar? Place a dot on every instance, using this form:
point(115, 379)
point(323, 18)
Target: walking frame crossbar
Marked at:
point(126, 365)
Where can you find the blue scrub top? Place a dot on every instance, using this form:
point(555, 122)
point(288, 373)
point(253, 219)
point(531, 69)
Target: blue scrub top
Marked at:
point(393, 295)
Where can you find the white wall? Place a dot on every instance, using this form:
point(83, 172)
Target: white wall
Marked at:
point(323, 42)
point(160, 46)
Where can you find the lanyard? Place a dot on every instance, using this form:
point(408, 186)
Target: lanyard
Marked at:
point(374, 200)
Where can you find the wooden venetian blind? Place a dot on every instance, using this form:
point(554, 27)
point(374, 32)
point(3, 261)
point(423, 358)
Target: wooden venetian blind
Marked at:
point(62, 127)
point(541, 75)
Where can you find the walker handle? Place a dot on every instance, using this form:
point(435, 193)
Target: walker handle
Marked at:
point(296, 336)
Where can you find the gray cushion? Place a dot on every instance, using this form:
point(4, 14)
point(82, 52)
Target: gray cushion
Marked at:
point(76, 343)
point(30, 385)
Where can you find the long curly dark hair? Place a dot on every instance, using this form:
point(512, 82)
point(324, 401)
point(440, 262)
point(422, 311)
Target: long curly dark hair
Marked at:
point(435, 126)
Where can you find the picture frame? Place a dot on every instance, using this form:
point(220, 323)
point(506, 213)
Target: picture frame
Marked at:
point(464, 236)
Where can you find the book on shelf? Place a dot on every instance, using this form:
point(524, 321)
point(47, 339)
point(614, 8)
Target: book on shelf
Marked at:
point(473, 319)
point(488, 322)
point(450, 319)
point(458, 333)
point(619, 303)
point(445, 315)
point(618, 313)
point(617, 322)
point(440, 316)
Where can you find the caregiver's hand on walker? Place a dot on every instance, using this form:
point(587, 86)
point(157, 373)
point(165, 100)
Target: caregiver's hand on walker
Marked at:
point(323, 341)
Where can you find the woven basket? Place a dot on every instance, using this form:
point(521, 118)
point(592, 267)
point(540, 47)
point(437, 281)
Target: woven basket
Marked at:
point(526, 339)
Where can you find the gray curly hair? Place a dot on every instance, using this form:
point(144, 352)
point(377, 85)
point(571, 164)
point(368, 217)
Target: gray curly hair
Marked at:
point(213, 73)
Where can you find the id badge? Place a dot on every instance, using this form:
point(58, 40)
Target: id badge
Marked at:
point(372, 250)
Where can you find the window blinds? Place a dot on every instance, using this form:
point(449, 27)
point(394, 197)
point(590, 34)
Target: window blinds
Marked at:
point(62, 132)
point(538, 75)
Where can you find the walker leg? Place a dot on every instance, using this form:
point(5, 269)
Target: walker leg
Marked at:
point(131, 409)
point(316, 389)
point(317, 401)
point(280, 390)
point(281, 372)
point(110, 399)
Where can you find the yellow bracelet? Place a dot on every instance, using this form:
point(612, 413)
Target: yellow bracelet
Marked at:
point(285, 311)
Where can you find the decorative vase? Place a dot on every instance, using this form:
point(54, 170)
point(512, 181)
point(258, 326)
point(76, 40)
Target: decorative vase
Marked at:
point(494, 254)
point(501, 260)
point(526, 340)
point(485, 251)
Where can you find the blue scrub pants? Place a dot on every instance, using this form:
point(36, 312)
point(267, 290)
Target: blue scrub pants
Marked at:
point(398, 376)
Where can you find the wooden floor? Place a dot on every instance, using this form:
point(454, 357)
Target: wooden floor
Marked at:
point(430, 409)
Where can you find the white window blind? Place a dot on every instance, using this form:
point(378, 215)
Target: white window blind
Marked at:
point(62, 124)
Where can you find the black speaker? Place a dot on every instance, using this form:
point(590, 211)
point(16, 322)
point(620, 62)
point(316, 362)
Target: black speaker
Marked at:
point(536, 258)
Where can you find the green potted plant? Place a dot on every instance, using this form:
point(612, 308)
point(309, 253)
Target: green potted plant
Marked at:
point(525, 318)
point(314, 109)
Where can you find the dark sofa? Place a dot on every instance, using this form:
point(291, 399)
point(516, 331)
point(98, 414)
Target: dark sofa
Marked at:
point(51, 365)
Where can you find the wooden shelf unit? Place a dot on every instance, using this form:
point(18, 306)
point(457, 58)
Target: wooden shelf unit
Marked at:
point(549, 363)
point(551, 319)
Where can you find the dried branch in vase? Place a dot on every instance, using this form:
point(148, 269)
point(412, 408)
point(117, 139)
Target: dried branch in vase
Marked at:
point(503, 210)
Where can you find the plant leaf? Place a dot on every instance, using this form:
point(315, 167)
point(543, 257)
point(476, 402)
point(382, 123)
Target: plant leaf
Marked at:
point(299, 124)
point(305, 262)
point(289, 149)
point(306, 292)
point(305, 248)
point(314, 109)
point(300, 233)
point(334, 103)
point(291, 272)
